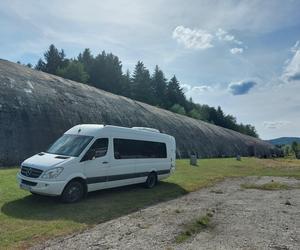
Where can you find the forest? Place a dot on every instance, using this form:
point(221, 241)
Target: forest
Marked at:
point(104, 71)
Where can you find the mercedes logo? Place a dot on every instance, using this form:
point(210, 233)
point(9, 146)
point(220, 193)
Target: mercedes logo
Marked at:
point(28, 172)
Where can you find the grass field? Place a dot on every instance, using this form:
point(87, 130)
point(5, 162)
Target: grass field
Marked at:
point(26, 220)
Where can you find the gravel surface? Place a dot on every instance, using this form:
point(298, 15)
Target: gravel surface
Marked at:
point(242, 219)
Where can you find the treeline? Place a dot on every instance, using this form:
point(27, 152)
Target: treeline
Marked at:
point(291, 150)
point(104, 71)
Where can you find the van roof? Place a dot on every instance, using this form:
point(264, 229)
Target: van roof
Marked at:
point(95, 129)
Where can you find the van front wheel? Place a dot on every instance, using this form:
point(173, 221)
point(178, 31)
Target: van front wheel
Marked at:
point(151, 180)
point(73, 192)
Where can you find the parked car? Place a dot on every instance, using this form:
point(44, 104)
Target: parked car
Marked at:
point(91, 157)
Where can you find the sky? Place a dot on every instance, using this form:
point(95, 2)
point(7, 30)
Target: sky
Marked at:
point(241, 55)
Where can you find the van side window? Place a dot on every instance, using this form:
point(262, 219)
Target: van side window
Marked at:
point(98, 149)
point(136, 149)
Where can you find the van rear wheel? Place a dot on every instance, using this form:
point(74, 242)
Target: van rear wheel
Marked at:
point(73, 192)
point(151, 180)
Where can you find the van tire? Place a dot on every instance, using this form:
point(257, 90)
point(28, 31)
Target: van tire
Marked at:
point(73, 192)
point(151, 180)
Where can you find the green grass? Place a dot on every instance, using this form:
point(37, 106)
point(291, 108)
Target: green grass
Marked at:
point(26, 220)
point(192, 228)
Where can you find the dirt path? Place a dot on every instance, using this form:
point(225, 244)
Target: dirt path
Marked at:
point(241, 219)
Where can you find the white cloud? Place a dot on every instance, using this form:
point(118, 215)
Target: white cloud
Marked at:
point(195, 90)
point(236, 51)
point(193, 38)
point(238, 42)
point(295, 47)
point(292, 68)
point(199, 90)
point(275, 124)
point(223, 35)
point(202, 88)
point(185, 87)
point(201, 39)
point(220, 33)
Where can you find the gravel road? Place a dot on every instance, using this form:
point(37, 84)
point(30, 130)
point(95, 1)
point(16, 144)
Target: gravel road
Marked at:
point(241, 219)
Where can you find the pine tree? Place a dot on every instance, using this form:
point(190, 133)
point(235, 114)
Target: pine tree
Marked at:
point(159, 84)
point(141, 84)
point(175, 93)
point(106, 73)
point(87, 59)
point(40, 65)
point(126, 84)
point(53, 59)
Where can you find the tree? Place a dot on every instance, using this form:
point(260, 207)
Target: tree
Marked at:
point(295, 147)
point(175, 93)
point(159, 84)
point(194, 113)
point(141, 84)
point(176, 108)
point(287, 151)
point(126, 84)
point(87, 59)
point(74, 71)
point(53, 60)
point(106, 73)
point(40, 65)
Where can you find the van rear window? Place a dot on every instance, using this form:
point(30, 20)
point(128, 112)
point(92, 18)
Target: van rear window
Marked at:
point(137, 149)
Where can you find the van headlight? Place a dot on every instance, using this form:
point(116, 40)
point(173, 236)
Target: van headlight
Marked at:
point(52, 173)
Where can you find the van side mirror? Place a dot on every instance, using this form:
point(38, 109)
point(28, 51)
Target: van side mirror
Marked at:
point(90, 154)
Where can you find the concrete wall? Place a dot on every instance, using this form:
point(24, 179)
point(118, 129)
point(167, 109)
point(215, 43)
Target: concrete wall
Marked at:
point(36, 108)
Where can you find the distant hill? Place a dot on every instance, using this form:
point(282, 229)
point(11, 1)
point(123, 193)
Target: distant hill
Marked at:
point(284, 140)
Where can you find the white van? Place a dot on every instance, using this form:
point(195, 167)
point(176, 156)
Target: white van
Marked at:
point(90, 157)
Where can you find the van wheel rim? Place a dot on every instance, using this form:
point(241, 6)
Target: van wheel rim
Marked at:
point(151, 180)
point(74, 193)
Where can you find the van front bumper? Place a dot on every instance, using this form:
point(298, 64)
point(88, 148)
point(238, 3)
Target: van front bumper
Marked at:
point(45, 187)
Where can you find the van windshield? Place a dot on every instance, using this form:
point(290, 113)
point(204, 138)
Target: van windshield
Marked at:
point(70, 145)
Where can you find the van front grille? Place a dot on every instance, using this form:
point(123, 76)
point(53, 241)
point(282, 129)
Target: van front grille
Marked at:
point(31, 172)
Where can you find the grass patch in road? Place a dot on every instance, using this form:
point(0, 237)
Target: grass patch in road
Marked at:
point(273, 185)
point(26, 220)
point(193, 228)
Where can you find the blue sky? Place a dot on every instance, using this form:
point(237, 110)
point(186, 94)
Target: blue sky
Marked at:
point(241, 55)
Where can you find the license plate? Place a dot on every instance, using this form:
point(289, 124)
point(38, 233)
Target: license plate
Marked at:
point(26, 187)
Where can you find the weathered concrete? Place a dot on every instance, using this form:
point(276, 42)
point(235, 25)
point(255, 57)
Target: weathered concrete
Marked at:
point(36, 108)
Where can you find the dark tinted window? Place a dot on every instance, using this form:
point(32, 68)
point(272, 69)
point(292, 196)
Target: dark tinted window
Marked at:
point(70, 145)
point(130, 149)
point(98, 149)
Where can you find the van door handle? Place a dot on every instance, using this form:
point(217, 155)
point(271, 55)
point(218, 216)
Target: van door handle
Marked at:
point(104, 162)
